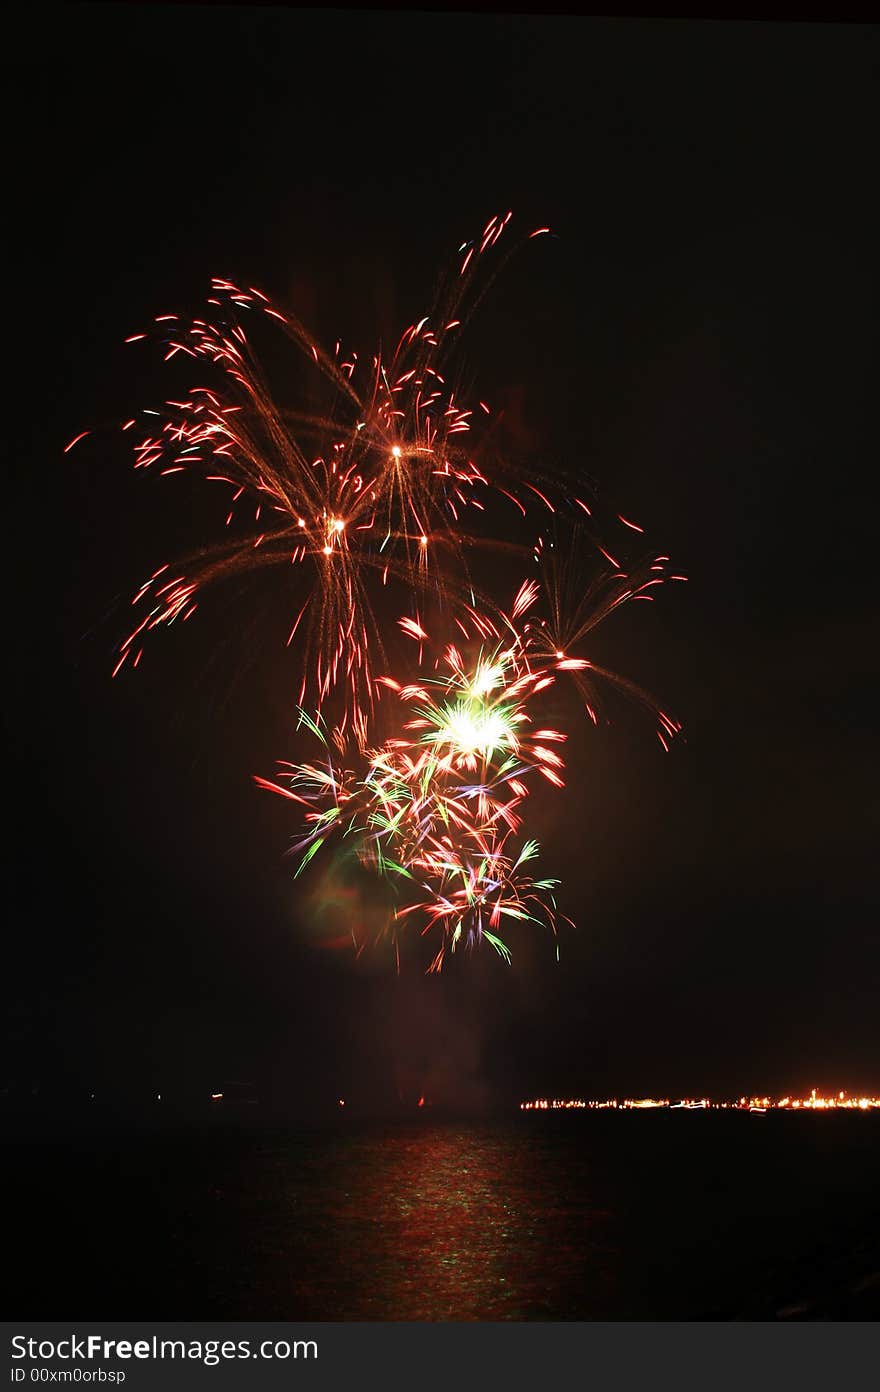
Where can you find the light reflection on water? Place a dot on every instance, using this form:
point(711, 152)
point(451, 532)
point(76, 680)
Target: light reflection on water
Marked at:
point(456, 1223)
point(561, 1220)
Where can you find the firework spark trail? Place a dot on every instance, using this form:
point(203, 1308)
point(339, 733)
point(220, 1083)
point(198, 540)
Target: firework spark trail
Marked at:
point(577, 605)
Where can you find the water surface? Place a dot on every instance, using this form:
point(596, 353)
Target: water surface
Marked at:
point(609, 1216)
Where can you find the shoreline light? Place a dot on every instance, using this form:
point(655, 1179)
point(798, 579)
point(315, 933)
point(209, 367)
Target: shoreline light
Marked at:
point(841, 1102)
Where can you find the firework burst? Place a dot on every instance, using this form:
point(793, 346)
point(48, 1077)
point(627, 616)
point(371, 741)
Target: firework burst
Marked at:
point(436, 810)
point(383, 496)
point(381, 488)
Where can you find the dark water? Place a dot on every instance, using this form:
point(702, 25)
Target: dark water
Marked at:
point(651, 1216)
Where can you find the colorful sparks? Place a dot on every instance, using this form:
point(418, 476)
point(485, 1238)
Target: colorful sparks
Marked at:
point(383, 498)
point(436, 810)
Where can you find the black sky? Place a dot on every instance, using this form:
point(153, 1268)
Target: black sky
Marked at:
point(698, 335)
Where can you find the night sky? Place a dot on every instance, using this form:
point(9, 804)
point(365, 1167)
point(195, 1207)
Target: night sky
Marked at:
point(695, 338)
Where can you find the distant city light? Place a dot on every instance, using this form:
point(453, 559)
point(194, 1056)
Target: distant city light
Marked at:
point(842, 1102)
